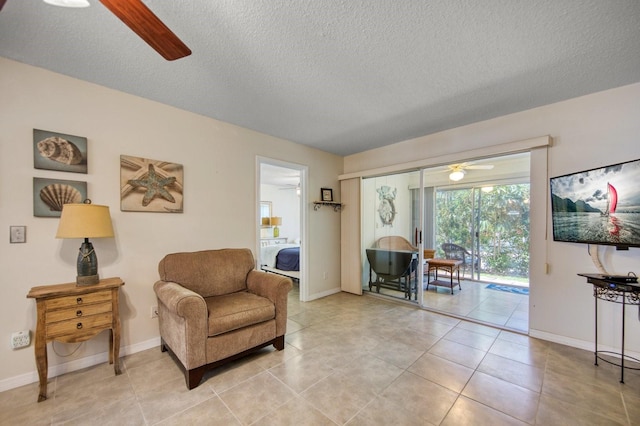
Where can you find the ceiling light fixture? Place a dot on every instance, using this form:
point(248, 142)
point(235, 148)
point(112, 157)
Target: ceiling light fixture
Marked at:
point(68, 3)
point(456, 175)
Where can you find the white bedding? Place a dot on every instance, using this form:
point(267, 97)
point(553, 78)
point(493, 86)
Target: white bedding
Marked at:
point(268, 253)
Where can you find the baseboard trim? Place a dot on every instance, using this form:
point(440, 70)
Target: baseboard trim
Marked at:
point(75, 365)
point(576, 343)
point(323, 294)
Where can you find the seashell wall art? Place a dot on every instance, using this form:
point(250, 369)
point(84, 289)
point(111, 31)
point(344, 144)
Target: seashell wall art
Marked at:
point(49, 195)
point(57, 195)
point(58, 151)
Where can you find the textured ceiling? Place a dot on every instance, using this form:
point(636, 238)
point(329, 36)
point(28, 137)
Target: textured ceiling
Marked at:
point(343, 76)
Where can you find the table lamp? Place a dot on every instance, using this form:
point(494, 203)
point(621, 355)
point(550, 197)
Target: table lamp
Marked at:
point(275, 222)
point(85, 221)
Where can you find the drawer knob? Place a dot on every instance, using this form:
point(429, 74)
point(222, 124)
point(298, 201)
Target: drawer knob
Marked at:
point(79, 326)
point(78, 313)
point(79, 300)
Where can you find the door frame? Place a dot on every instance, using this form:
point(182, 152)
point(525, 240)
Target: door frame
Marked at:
point(304, 252)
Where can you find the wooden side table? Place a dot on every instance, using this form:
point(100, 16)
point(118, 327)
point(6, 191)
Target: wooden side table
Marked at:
point(70, 313)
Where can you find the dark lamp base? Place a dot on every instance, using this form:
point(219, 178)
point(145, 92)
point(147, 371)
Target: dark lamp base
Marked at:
point(87, 265)
point(87, 280)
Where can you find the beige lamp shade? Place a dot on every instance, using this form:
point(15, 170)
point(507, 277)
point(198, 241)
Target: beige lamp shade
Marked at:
point(84, 221)
point(276, 221)
point(265, 221)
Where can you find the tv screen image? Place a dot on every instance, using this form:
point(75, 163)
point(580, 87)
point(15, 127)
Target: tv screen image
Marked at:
point(598, 206)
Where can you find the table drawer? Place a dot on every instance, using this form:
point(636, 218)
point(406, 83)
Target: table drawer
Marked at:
point(77, 312)
point(74, 326)
point(82, 299)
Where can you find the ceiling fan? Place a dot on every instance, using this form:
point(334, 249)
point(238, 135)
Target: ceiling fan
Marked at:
point(142, 21)
point(457, 171)
point(291, 187)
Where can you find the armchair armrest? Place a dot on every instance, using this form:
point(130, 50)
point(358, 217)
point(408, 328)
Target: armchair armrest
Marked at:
point(275, 288)
point(183, 316)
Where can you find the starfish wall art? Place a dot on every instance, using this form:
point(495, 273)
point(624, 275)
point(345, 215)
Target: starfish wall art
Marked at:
point(150, 185)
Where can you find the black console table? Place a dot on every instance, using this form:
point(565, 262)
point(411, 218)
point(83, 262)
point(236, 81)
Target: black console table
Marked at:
point(615, 291)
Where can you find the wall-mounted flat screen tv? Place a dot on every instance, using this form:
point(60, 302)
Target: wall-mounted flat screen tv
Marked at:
point(598, 206)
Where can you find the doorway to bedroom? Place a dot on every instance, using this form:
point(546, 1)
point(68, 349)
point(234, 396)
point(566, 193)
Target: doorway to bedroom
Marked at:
point(281, 220)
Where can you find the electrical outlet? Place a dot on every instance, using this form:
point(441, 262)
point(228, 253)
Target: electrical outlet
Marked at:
point(154, 312)
point(20, 339)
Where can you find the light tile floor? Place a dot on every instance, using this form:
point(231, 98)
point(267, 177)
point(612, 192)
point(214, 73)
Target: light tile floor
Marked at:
point(355, 360)
point(475, 302)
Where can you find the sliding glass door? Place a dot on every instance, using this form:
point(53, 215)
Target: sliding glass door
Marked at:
point(503, 237)
point(391, 235)
point(488, 227)
point(481, 219)
point(457, 212)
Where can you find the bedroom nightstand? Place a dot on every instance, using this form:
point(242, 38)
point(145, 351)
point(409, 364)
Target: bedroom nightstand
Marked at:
point(69, 313)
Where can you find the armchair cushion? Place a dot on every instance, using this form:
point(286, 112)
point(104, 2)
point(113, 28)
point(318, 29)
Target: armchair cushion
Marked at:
point(237, 310)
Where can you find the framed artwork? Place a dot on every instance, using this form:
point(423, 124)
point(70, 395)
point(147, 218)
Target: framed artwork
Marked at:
point(150, 185)
point(387, 207)
point(57, 151)
point(17, 234)
point(265, 214)
point(326, 194)
point(49, 195)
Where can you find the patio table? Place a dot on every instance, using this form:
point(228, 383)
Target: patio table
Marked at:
point(447, 265)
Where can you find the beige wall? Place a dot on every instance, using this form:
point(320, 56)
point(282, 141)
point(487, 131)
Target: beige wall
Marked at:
point(588, 132)
point(220, 207)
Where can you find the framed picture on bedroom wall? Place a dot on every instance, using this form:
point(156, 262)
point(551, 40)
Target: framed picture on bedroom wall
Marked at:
point(326, 194)
point(265, 214)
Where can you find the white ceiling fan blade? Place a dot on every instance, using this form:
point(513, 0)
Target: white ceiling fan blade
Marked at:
point(480, 167)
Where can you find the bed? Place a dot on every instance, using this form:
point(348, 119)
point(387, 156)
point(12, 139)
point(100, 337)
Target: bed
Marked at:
point(288, 259)
point(285, 257)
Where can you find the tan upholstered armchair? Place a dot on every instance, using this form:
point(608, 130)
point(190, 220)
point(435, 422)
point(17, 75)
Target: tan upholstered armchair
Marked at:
point(213, 307)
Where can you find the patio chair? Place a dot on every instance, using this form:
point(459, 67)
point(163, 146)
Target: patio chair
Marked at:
point(454, 251)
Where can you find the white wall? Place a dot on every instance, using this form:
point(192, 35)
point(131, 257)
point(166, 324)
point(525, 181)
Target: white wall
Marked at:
point(588, 132)
point(285, 203)
point(372, 226)
point(220, 206)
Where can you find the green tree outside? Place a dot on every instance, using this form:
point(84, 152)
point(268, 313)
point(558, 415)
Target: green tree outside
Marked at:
point(501, 223)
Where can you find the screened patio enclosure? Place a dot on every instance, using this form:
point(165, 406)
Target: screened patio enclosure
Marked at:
point(482, 219)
